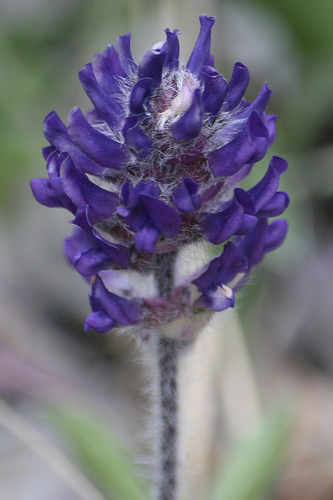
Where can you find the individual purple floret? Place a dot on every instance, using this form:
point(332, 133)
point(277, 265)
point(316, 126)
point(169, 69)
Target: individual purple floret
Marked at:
point(154, 167)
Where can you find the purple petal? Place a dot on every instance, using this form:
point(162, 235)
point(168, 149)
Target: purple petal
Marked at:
point(245, 199)
point(82, 191)
point(100, 322)
point(265, 238)
point(279, 164)
point(106, 107)
point(123, 44)
point(75, 244)
point(54, 162)
point(218, 299)
point(124, 311)
point(270, 124)
point(248, 224)
point(92, 261)
point(151, 65)
point(252, 246)
point(56, 132)
point(135, 138)
point(107, 69)
point(219, 227)
point(145, 240)
point(97, 146)
point(222, 269)
point(259, 135)
point(58, 188)
point(210, 61)
point(276, 206)
point(201, 51)
point(172, 43)
point(140, 95)
point(188, 126)
point(276, 234)
point(240, 175)
point(215, 88)
point(43, 192)
point(260, 103)
point(85, 164)
point(264, 191)
point(130, 194)
point(118, 253)
point(248, 146)
point(163, 217)
point(86, 259)
point(186, 196)
point(48, 150)
point(237, 86)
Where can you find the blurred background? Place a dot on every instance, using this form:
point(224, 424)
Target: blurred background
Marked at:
point(275, 349)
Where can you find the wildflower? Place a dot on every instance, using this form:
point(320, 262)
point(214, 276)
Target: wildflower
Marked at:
point(155, 167)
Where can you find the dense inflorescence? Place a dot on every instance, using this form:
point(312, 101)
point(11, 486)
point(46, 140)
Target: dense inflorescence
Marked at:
point(155, 167)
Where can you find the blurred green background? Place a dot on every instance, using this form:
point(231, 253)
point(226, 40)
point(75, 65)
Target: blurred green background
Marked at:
point(279, 347)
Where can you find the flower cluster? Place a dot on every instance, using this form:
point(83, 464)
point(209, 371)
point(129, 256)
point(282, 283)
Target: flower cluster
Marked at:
point(154, 167)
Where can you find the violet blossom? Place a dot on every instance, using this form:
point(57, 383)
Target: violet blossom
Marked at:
point(154, 167)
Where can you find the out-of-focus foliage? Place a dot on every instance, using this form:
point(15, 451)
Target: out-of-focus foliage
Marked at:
point(253, 467)
point(101, 454)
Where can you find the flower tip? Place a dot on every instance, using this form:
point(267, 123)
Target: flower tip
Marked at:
point(207, 19)
point(86, 328)
point(176, 31)
point(86, 71)
point(279, 164)
point(49, 115)
point(270, 91)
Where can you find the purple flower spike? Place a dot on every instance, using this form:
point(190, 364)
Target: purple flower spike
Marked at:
point(155, 167)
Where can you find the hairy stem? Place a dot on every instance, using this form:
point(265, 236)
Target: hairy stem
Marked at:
point(167, 367)
point(168, 408)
